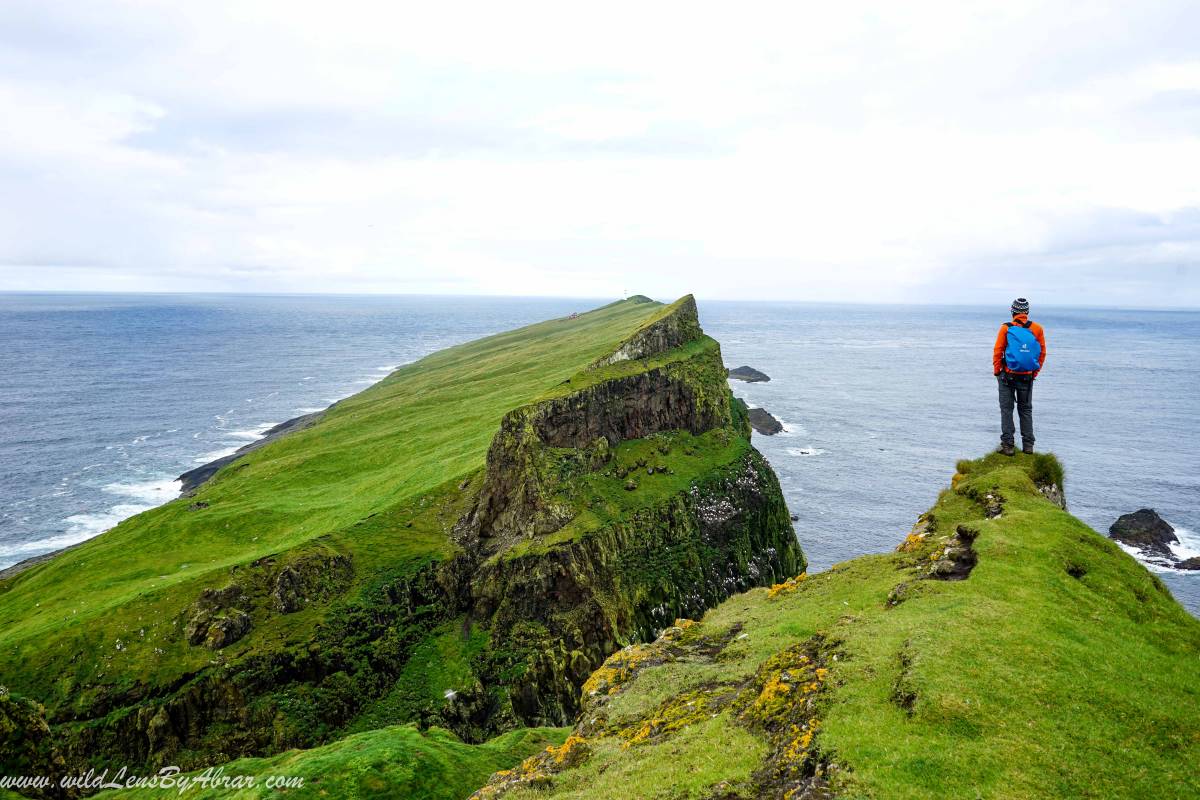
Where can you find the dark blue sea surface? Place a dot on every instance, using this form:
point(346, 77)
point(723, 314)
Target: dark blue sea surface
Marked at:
point(104, 399)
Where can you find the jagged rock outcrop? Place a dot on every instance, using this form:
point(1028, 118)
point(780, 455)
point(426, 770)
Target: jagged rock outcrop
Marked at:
point(679, 325)
point(313, 578)
point(217, 619)
point(764, 422)
point(1145, 530)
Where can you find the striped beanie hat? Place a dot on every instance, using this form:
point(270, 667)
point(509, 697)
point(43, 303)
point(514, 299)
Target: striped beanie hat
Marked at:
point(1020, 306)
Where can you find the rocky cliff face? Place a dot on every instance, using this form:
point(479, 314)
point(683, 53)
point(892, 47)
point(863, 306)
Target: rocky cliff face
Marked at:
point(610, 406)
point(679, 325)
point(588, 597)
point(579, 600)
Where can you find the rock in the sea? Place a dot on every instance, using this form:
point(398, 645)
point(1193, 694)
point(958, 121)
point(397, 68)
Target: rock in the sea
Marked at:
point(1189, 563)
point(748, 374)
point(763, 422)
point(1145, 530)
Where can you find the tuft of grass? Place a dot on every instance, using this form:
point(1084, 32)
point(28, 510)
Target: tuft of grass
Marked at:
point(1047, 469)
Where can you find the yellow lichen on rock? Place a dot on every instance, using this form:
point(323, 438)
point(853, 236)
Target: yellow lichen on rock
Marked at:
point(617, 669)
point(679, 712)
point(788, 586)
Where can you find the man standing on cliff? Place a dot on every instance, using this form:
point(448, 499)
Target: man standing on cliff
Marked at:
point(1017, 358)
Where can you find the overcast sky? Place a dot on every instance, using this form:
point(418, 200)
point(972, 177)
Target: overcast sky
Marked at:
point(943, 152)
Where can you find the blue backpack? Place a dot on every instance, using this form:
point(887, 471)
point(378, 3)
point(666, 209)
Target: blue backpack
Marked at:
point(1023, 350)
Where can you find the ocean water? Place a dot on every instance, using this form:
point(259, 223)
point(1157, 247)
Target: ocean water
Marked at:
point(106, 398)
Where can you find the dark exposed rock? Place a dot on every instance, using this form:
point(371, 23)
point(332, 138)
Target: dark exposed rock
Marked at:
point(308, 579)
point(199, 505)
point(666, 333)
point(1189, 563)
point(27, 746)
point(762, 421)
point(1054, 493)
point(748, 374)
point(958, 558)
point(227, 629)
point(216, 620)
point(1145, 530)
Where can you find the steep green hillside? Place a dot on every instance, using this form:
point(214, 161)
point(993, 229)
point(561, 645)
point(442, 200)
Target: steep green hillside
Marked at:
point(460, 545)
point(1005, 650)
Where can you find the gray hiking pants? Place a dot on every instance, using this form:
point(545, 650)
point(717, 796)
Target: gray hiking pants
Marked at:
point(1018, 392)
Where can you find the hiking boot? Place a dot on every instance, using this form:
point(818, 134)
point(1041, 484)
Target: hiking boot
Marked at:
point(1006, 449)
point(1027, 449)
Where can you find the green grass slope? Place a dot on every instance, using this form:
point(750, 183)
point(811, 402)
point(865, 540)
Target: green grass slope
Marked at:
point(458, 547)
point(399, 761)
point(1056, 667)
point(104, 616)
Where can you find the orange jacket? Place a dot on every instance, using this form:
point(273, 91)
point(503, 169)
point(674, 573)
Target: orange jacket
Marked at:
point(1002, 341)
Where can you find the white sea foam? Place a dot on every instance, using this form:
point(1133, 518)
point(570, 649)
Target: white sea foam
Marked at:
point(1149, 563)
point(387, 368)
point(255, 433)
point(81, 527)
point(310, 409)
point(214, 455)
point(1188, 546)
point(805, 451)
point(152, 492)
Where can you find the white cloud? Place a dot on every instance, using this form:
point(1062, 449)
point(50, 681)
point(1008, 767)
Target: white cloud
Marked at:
point(863, 151)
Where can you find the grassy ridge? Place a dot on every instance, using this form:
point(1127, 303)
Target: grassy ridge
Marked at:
point(397, 761)
point(110, 607)
point(1058, 668)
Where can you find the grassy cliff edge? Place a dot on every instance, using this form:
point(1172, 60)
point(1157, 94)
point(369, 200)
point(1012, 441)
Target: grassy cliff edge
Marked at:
point(1004, 650)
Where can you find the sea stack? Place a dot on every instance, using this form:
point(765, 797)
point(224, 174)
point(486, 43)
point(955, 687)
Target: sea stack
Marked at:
point(1145, 530)
point(748, 374)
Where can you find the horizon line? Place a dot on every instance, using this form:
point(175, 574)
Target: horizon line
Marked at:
point(606, 298)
